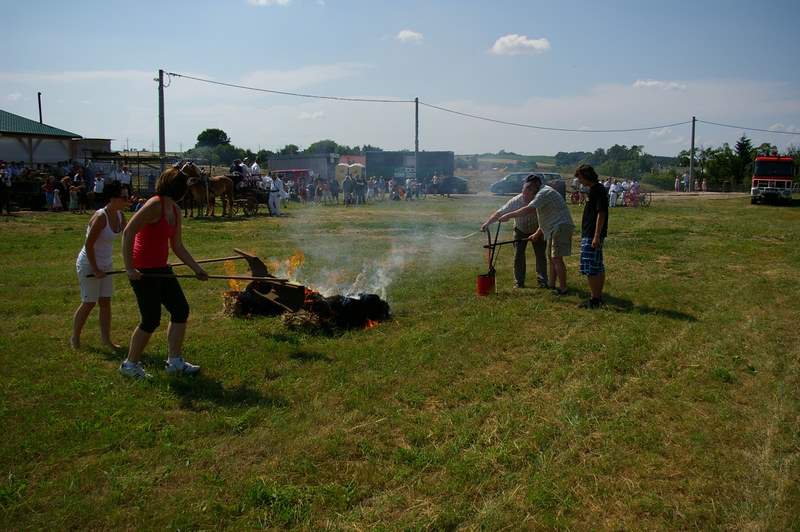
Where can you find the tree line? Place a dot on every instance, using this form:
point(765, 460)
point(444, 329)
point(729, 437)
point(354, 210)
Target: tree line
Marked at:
point(215, 146)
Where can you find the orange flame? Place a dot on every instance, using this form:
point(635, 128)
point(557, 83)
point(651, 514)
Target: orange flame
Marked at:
point(295, 261)
point(371, 324)
point(287, 268)
point(230, 269)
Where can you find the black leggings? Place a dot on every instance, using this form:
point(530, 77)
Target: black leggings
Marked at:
point(152, 292)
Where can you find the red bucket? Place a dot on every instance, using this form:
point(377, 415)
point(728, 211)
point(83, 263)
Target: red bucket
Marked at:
point(485, 285)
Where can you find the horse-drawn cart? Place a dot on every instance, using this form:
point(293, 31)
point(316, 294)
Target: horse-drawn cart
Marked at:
point(247, 195)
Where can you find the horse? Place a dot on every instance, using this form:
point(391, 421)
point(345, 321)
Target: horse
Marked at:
point(204, 190)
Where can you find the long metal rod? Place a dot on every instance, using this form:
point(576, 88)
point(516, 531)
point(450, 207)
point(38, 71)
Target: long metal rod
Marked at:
point(504, 242)
point(416, 138)
point(39, 95)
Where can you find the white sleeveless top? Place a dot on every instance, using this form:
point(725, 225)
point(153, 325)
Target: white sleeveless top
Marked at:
point(102, 247)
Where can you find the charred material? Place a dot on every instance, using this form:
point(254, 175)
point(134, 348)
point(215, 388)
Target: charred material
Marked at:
point(306, 309)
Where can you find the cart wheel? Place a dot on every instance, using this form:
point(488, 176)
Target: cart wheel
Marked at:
point(250, 207)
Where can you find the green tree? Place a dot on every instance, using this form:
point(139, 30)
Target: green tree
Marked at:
point(290, 149)
point(212, 138)
point(323, 146)
point(744, 158)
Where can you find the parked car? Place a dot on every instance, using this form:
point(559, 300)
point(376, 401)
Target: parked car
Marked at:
point(453, 185)
point(512, 183)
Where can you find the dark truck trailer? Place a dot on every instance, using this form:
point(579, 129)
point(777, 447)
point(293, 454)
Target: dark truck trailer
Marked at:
point(400, 164)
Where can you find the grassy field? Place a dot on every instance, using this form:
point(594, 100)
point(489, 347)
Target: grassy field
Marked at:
point(675, 407)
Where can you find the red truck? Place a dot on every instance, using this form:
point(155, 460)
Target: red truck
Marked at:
point(772, 179)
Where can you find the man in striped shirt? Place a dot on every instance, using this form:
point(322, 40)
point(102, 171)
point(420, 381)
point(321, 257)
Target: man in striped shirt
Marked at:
point(524, 226)
point(555, 226)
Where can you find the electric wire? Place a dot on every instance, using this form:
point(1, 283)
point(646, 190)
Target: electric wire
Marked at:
point(545, 128)
point(748, 128)
point(468, 115)
point(287, 93)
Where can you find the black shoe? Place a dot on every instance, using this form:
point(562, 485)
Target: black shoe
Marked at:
point(519, 285)
point(559, 292)
point(591, 304)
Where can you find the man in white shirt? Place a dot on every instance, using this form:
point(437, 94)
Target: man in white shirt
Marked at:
point(275, 195)
point(124, 178)
point(524, 227)
point(255, 170)
point(555, 225)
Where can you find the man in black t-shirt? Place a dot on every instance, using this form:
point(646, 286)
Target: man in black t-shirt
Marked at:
point(594, 227)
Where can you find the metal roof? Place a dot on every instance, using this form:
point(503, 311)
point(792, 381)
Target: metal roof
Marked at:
point(19, 125)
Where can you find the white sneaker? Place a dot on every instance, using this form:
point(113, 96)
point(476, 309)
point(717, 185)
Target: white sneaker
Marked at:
point(133, 370)
point(178, 366)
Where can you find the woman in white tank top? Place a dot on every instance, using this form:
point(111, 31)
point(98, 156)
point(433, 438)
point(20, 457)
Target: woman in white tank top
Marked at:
point(95, 258)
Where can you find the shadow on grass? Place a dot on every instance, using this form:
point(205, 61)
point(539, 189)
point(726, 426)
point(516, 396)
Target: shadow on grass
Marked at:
point(619, 304)
point(309, 356)
point(200, 388)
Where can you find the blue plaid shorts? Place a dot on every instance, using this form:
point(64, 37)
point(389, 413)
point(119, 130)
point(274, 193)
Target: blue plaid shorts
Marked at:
point(591, 259)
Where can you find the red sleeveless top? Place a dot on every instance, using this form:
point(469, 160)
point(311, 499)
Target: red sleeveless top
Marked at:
point(151, 243)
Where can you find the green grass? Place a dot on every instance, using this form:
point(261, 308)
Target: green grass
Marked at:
point(676, 407)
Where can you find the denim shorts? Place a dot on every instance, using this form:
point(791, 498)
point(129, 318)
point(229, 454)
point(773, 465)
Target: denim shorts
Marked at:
point(591, 258)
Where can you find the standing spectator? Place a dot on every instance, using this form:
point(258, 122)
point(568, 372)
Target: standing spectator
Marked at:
point(276, 194)
point(686, 182)
point(74, 191)
point(66, 183)
point(266, 186)
point(705, 185)
point(124, 178)
point(335, 189)
point(555, 225)
point(594, 228)
point(613, 194)
point(145, 247)
point(79, 181)
point(524, 227)
point(347, 190)
point(6, 180)
point(95, 258)
point(360, 189)
point(99, 188)
point(49, 192)
point(677, 184)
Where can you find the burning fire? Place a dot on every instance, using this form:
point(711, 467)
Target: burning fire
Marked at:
point(230, 269)
point(287, 268)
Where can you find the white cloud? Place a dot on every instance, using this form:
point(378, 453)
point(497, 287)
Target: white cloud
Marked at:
point(302, 77)
point(14, 96)
point(313, 115)
point(661, 133)
point(657, 84)
point(410, 36)
point(263, 3)
point(780, 127)
point(514, 44)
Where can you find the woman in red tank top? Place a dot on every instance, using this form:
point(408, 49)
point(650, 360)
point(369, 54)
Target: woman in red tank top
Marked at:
point(145, 247)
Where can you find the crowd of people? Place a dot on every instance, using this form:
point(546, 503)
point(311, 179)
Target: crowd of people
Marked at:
point(68, 185)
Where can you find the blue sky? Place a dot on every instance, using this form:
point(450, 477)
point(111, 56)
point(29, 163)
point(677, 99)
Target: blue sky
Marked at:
point(596, 65)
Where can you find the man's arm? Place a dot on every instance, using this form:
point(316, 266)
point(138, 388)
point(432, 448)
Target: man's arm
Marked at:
point(524, 211)
point(598, 229)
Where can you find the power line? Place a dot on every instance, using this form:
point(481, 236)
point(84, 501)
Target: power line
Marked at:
point(469, 115)
point(749, 128)
point(285, 93)
point(545, 128)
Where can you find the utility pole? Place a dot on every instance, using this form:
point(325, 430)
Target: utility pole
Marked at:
point(39, 95)
point(416, 137)
point(161, 136)
point(691, 159)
